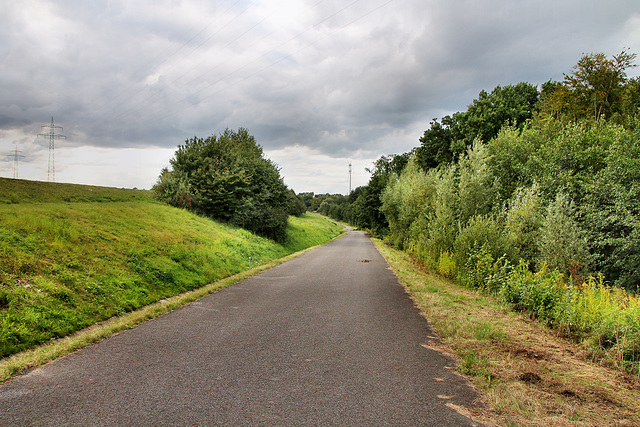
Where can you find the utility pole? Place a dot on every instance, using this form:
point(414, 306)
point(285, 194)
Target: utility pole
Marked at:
point(50, 131)
point(16, 156)
point(349, 178)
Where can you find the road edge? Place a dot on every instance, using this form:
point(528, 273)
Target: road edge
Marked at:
point(20, 363)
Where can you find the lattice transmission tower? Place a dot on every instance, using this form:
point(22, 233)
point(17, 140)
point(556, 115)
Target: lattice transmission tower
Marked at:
point(16, 156)
point(349, 178)
point(50, 131)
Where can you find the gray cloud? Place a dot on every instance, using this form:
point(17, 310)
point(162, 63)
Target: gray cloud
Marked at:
point(344, 79)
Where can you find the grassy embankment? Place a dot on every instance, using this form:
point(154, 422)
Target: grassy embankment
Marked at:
point(72, 256)
point(528, 374)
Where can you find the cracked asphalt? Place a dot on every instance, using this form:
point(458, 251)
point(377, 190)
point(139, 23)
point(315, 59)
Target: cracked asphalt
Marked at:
point(327, 339)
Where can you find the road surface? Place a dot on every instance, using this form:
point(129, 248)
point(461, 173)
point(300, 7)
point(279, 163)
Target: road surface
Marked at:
point(329, 338)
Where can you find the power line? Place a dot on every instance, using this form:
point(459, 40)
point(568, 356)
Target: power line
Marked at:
point(171, 109)
point(132, 95)
point(53, 135)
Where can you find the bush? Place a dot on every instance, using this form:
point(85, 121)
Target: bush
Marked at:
point(442, 226)
point(537, 293)
point(405, 200)
point(295, 204)
point(524, 220)
point(476, 190)
point(447, 265)
point(607, 317)
point(483, 272)
point(482, 231)
point(562, 243)
point(226, 177)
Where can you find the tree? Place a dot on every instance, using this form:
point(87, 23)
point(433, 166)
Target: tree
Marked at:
point(598, 81)
point(612, 210)
point(367, 207)
point(511, 105)
point(558, 101)
point(307, 198)
point(435, 148)
point(631, 98)
point(476, 190)
point(295, 204)
point(563, 245)
point(448, 140)
point(227, 177)
point(509, 153)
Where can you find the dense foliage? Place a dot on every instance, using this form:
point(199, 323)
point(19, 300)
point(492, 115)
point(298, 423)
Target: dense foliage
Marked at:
point(534, 197)
point(362, 206)
point(226, 177)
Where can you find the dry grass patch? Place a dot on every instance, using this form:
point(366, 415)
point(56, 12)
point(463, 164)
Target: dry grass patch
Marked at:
point(528, 375)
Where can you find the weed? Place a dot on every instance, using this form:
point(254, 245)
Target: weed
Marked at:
point(473, 364)
point(447, 265)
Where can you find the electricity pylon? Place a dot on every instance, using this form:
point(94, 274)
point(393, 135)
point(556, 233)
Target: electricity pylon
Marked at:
point(16, 156)
point(51, 133)
point(349, 178)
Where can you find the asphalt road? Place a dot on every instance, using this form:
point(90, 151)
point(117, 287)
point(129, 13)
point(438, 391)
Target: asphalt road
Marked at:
point(329, 338)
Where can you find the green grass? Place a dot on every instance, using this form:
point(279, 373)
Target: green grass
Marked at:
point(14, 191)
point(71, 256)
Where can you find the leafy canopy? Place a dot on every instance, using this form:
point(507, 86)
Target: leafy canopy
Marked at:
point(227, 177)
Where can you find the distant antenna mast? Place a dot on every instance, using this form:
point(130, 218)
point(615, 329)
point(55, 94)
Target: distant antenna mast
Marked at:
point(50, 131)
point(16, 158)
point(349, 178)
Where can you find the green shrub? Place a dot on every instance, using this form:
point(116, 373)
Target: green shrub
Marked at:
point(537, 293)
point(523, 221)
point(447, 265)
point(562, 243)
point(482, 231)
point(484, 272)
point(227, 177)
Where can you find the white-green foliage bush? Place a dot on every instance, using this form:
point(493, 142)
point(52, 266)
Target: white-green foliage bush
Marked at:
point(476, 190)
point(482, 231)
point(562, 244)
point(441, 227)
point(405, 200)
point(523, 220)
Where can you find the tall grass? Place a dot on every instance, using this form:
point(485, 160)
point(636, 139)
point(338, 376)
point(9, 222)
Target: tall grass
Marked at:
point(68, 265)
point(604, 319)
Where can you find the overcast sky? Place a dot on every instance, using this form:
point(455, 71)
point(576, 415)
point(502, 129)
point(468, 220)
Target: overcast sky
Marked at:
point(319, 83)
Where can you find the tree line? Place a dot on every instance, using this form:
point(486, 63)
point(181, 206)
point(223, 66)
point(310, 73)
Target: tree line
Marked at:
point(549, 175)
point(531, 195)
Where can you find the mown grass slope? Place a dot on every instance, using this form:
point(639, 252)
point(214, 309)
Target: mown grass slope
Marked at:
point(72, 255)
